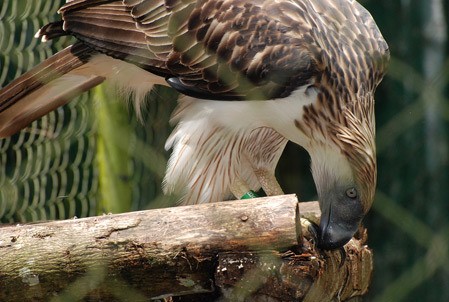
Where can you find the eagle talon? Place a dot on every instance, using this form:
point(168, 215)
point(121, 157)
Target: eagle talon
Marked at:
point(268, 182)
point(314, 232)
point(343, 256)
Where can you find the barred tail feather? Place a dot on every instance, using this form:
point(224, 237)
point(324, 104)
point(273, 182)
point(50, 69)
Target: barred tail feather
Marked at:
point(62, 77)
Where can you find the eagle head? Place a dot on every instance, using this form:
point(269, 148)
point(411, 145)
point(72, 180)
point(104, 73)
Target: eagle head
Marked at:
point(340, 123)
point(343, 164)
point(345, 178)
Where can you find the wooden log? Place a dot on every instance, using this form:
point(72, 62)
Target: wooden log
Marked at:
point(144, 248)
point(303, 275)
point(165, 252)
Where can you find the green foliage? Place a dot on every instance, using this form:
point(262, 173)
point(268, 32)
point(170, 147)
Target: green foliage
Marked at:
point(113, 154)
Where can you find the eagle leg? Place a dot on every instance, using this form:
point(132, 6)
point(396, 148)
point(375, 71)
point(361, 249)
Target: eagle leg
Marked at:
point(239, 188)
point(268, 182)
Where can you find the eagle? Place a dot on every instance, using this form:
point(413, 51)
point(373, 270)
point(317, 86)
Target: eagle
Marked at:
point(254, 74)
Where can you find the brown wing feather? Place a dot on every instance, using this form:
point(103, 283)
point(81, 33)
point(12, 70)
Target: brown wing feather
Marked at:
point(220, 49)
point(109, 27)
point(231, 49)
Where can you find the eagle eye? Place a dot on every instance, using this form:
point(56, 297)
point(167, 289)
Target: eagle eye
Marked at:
point(351, 193)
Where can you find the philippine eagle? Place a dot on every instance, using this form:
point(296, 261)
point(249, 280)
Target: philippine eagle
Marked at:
point(255, 74)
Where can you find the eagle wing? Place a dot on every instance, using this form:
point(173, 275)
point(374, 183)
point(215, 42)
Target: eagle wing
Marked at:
point(207, 49)
point(211, 49)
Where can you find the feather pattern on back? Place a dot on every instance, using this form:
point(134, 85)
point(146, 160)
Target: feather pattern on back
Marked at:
point(226, 49)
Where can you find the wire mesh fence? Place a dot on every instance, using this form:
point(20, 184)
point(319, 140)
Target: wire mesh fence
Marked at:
point(47, 171)
point(408, 225)
point(60, 166)
point(56, 168)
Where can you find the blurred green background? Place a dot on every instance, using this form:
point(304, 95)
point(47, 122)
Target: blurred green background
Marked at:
point(74, 162)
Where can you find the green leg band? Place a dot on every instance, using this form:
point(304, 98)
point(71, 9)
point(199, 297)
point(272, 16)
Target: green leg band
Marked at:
point(250, 194)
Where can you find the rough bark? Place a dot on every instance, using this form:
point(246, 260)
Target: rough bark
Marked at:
point(250, 250)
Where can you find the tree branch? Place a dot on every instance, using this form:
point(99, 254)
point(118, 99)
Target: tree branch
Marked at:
point(235, 247)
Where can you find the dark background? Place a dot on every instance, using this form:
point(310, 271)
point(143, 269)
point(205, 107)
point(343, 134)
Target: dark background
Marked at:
point(65, 174)
point(408, 226)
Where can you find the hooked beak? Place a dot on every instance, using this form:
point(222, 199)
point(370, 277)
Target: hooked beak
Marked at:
point(338, 224)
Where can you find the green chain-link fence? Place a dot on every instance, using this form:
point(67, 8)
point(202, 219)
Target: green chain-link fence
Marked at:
point(65, 164)
point(409, 225)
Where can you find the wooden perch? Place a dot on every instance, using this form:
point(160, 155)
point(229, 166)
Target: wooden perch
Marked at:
point(250, 249)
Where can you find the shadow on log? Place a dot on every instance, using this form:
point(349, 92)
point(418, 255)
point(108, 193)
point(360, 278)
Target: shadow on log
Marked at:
point(251, 250)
